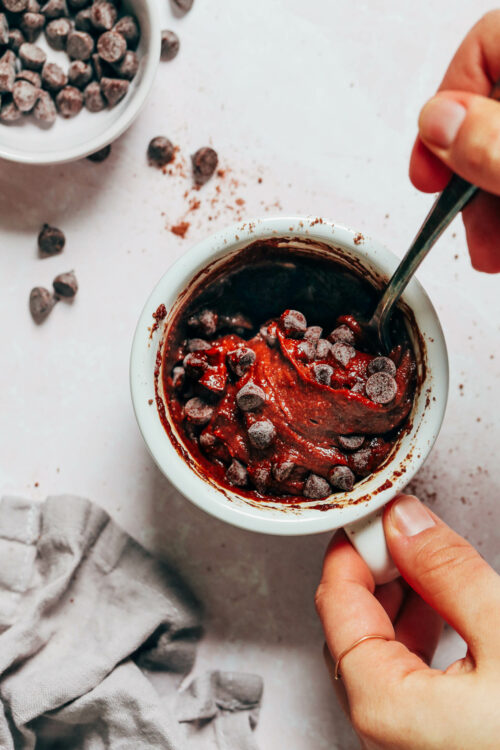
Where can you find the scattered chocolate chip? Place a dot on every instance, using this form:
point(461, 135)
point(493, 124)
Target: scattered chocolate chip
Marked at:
point(128, 65)
point(30, 75)
point(24, 95)
point(100, 155)
point(361, 461)
point(53, 77)
point(45, 110)
point(160, 151)
point(178, 377)
point(316, 487)
point(170, 45)
point(69, 101)
point(65, 285)
point(4, 30)
point(31, 25)
point(207, 322)
point(261, 477)
point(79, 74)
point(306, 351)
point(198, 411)
point(41, 303)
point(342, 478)
point(51, 240)
point(207, 440)
point(114, 90)
point(57, 32)
point(204, 162)
point(33, 6)
point(79, 45)
point(342, 333)
point(16, 38)
point(183, 5)
point(283, 470)
point(250, 397)
point(269, 337)
point(7, 77)
point(323, 349)
point(198, 345)
point(323, 374)
point(103, 16)
point(83, 20)
point(237, 474)
point(10, 113)
point(294, 324)
point(382, 364)
point(381, 388)
point(195, 365)
point(313, 333)
point(262, 434)
point(127, 26)
point(351, 442)
point(111, 46)
point(32, 56)
point(240, 360)
point(93, 98)
point(343, 353)
point(55, 9)
point(15, 6)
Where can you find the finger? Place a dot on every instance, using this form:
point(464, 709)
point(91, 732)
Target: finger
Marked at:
point(349, 611)
point(427, 171)
point(445, 570)
point(482, 226)
point(391, 596)
point(462, 130)
point(338, 685)
point(419, 627)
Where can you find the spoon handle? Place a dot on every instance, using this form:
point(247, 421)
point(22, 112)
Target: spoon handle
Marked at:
point(454, 197)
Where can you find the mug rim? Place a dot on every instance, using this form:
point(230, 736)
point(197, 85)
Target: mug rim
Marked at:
point(430, 400)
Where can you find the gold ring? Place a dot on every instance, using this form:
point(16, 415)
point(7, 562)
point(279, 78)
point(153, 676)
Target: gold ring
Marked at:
point(336, 674)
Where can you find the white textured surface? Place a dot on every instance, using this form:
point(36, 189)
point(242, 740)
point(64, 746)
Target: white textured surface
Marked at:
point(319, 99)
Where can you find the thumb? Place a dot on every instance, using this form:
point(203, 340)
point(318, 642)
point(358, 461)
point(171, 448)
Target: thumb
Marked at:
point(445, 570)
point(463, 130)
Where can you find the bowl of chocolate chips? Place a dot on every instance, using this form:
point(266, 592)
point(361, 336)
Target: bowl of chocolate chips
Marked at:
point(73, 74)
point(259, 395)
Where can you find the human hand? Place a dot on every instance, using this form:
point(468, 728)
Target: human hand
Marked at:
point(459, 131)
point(393, 698)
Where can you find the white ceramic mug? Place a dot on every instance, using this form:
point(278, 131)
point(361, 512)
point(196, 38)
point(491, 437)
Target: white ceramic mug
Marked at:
point(361, 509)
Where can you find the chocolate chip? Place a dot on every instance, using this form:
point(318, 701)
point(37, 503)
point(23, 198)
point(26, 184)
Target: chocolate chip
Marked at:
point(69, 101)
point(111, 46)
point(306, 351)
point(283, 470)
point(127, 26)
point(51, 240)
point(207, 322)
point(41, 303)
point(195, 365)
point(79, 74)
point(342, 478)
point(270, 338)
point(261, 477)
point(198, 345)
point(381, 388)
point(170, 45)
point(236, 322)
point(204, 163)
point(313, 333)
point(79, 45)
point(103, 16)
point(100, 155)
point(250, 397)
point(24, 95)
point(128, 65)
point(10, 113)
point(4, 30)
point(114, 90)
point(57, 32)
point(183, 5)
point(33, 6)
point(198, 411)
point(237, 474)
point(30, 75)
point(83, 21)
point(7, 77)
point(358, 387)
point(262, 434)
point(361, 461)
point(65, 285)
point(240, 360)
point(15, 6)
point(316, 487)
point(16, 38)
point(45, 110)
point(93, 98)
point(382, 364)
point(323, 374)
point(323, 349)
point(294, 324)
point(53, 77)
point(351, 442)
point(343, 353)
point(9, 58)
point(55, 9)
point(342, 333)
point(178, 377)
point(160, 151)
point(31, 25)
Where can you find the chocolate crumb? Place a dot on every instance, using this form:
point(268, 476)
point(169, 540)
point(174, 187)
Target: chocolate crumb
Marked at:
point(41, 303)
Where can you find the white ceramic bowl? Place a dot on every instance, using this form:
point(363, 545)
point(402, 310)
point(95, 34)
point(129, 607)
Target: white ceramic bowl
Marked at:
point(368, 495)
point(67, 140)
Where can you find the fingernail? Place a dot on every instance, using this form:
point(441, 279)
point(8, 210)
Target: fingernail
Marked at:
point(410, 517)
point(440, 121)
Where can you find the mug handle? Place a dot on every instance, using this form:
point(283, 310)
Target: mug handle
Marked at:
point(367, 536)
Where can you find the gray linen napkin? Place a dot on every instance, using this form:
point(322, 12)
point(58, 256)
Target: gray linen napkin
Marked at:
point(79, 601)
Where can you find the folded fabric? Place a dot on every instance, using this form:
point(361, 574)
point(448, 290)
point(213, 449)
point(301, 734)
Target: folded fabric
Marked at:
point(82, 608)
